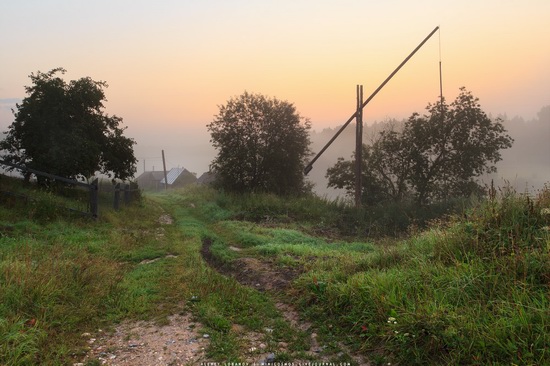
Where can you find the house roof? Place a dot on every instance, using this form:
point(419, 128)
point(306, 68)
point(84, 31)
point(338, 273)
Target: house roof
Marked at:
point(155, 175)
point(158, 175)
point(206, 178)
point(172, 175)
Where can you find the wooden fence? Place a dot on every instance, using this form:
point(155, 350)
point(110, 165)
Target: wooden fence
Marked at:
point(129, 191)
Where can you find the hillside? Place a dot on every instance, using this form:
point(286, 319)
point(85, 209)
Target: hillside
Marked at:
point(255, 278)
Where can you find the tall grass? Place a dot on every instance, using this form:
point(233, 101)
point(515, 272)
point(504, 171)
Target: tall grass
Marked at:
point(475, 292)
point(48, 289)
point(61, 274)
point(470, 290)
point(328, 218)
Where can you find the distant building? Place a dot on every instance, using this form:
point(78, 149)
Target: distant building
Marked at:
point(206, 178)
point(150, 181)
point(154, 180)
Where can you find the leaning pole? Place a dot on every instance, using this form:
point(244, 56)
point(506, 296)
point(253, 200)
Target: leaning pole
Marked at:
point(309, 166)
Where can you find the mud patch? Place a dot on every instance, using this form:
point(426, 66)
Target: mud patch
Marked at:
point(263, 275)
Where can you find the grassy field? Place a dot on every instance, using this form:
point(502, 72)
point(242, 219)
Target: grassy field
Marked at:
point(471, 290)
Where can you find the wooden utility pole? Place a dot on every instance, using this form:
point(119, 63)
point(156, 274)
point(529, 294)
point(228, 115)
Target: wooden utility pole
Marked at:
point(309, 166)
point(359, 146)
point(165, 175)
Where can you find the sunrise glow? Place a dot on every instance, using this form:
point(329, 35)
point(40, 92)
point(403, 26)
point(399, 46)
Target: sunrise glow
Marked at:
point(170, 64)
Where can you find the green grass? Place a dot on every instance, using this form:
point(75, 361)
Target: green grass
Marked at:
point(472, 290)
point(473, 293)
point(222, 301)
point(62, 275)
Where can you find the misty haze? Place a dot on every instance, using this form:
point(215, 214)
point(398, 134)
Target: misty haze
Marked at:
point(159, 204)
point(525, 166)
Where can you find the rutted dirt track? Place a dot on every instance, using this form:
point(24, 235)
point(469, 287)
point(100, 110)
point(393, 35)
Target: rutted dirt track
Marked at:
point(147, 343)
point(252, 272)
point(179, 343)
point(263, 275)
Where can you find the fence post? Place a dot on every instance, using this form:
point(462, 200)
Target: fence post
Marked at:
point(126, 194)
point(134, 191)
point(117, 197)
point(94, 190)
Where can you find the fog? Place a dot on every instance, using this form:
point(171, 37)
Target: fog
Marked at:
point(525, 166)
point(184, 147)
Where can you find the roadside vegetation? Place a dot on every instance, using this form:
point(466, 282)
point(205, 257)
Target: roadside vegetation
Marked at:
point(470, 289)
point(63, 275)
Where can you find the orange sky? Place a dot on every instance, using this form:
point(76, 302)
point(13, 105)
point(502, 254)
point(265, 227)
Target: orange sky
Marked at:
point(169, 64)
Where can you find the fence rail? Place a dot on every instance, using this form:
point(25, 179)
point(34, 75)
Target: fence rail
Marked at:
point(128, 190)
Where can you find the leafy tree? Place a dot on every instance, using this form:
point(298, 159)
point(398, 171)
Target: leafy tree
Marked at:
point(379, 182)
point(262, 145)
point(451, 146)
point(434, 157)
point(60, 128)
